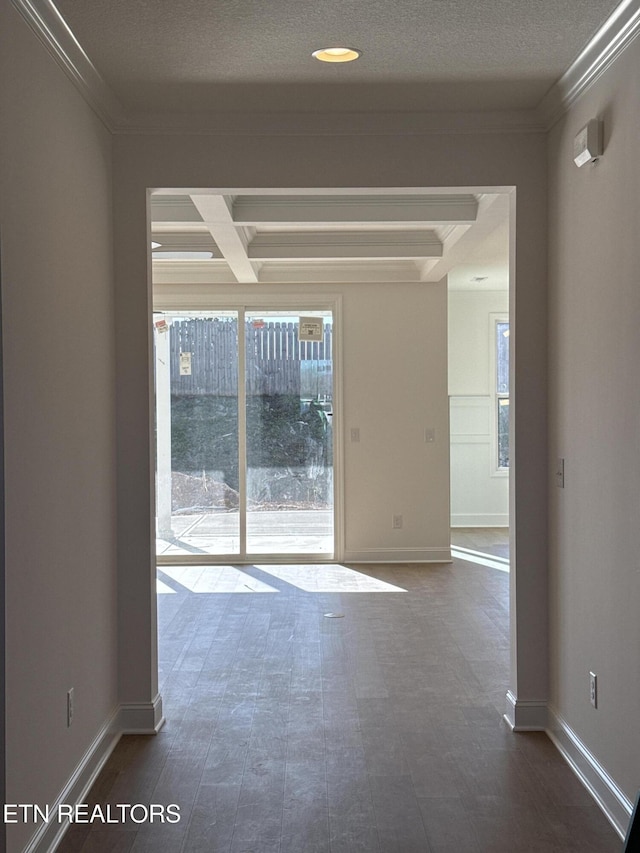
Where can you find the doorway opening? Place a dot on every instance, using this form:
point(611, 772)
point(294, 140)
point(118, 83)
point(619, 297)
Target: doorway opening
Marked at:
point(479, 396)
point(387, 253)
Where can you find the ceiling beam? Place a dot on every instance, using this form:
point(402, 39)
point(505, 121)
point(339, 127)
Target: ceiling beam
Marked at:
point(355, 210)
point(340, 271)
point(319, 245)
point(460, 240)
point(176, 208)
point(229, 239)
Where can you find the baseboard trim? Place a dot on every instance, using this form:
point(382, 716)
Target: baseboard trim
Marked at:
point(129, 718)
point(525, 715)
point(613, 802)
point(48, 835)
point(141, 718)
point(398, 555)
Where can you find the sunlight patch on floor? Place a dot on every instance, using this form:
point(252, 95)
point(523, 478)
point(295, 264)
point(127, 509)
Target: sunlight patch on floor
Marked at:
point(480, 558)
point(212, 579)
point(328, 578)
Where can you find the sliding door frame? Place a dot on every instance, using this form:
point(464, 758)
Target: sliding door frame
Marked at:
point(199, 298)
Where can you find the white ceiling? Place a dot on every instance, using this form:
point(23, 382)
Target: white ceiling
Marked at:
point(242, 64)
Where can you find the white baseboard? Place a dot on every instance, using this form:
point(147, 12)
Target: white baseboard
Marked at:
point(613, 802)
point(132, 718)
point(141, 718)
point(525, 716)
point(497, 519)
point(398, 555)
point(48, 835)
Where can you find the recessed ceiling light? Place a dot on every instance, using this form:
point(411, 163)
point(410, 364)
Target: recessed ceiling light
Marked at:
point(337, 54)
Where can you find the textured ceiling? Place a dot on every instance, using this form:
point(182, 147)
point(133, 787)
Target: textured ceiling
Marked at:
point(243, 55)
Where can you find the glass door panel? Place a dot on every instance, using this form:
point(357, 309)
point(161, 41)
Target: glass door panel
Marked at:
point(244, 438)
point(289, 440)
point(197, 470)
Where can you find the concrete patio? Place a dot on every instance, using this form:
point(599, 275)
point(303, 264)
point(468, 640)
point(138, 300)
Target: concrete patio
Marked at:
point(268, 532)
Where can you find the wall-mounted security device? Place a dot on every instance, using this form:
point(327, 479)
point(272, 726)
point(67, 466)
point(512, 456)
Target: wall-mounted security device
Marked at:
point(587, 145)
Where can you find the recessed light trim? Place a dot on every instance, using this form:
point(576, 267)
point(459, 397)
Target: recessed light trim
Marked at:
point(337, 54)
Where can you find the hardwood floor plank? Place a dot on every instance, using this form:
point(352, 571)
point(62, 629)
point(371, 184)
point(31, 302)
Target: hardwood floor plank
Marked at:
point(109, 841)
point(213, 818)
point(305, 817)
point(447, 825)
point(397, 815)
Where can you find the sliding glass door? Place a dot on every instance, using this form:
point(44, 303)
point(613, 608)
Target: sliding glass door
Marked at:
point(289, 435)
point(244, 434)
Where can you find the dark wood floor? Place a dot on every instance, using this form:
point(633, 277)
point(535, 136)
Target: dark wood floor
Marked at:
point(489, 540)
point(380, 732)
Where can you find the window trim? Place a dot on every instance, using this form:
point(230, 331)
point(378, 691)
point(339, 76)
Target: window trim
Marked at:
point(494, 318)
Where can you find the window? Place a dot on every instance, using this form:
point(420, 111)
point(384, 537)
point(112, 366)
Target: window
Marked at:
point(501, 344)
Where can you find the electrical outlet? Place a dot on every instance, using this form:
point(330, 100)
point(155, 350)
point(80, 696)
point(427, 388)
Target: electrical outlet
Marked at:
point(560, 472)
point(355, 433)
point(396, 523)
point(593, 689)
point(429, 435)
point(70, 706)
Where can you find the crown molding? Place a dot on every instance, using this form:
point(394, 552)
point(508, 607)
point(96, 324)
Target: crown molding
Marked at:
point(616, 34)
point(51, 29)
point(335, 123)
point(608, 43)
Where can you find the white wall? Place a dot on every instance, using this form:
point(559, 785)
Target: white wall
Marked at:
point(479, 494)
point(395, 387)
point(55, 215)
point(394, 372)
point(594, 306)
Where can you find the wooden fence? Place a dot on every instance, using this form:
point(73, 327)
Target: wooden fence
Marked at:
point(276, 361)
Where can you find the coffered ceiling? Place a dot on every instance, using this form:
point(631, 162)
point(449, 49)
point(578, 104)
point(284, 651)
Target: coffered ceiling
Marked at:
point(251, 239)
